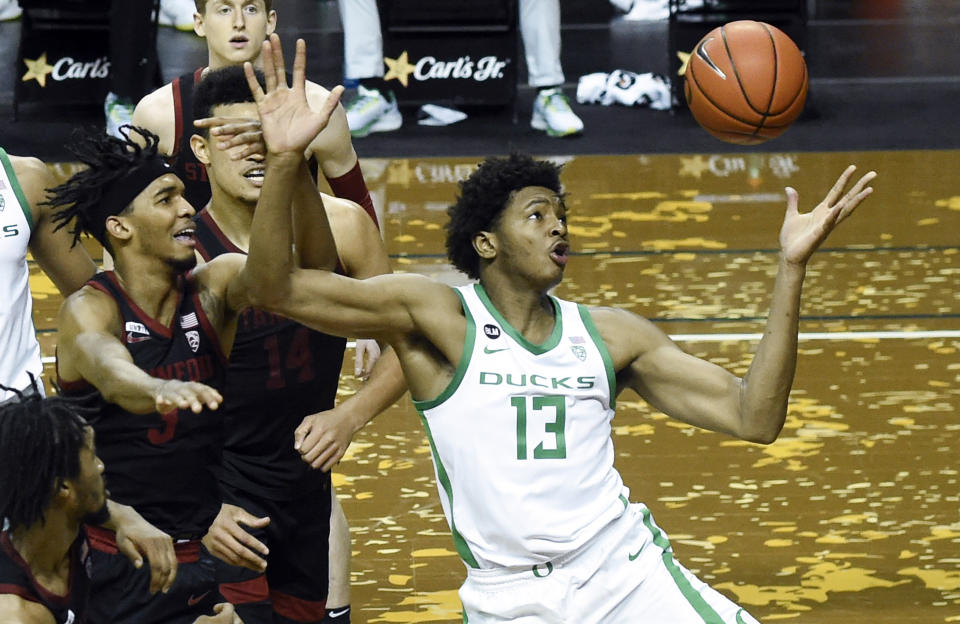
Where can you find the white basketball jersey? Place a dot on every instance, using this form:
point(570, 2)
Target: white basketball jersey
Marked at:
point(19, 350)
point(521, 438)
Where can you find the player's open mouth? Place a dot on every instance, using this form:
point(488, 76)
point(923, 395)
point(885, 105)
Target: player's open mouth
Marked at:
point(185, 237)
point(559, 253)
point(255, 175)
point(239, 41)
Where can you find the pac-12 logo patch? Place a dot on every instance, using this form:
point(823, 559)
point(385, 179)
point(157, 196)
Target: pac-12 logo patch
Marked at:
point(193, 339)
point(491, 331)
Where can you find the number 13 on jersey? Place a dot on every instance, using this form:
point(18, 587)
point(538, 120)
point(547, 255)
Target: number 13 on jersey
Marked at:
point(542, 405)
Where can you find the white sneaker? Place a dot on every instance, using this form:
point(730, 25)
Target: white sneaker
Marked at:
point(10, 10)
point(177, 13)
point(118, 112)
point(371, 111)
point(552, 114)
point(648, 11)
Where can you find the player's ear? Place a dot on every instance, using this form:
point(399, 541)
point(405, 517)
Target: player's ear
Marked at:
point(271, 22)
point(198, 24)
point(199, 146)
point(118, 228)
point(485, 244)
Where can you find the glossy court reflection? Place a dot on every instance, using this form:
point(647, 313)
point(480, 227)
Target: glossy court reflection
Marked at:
point(852, 515)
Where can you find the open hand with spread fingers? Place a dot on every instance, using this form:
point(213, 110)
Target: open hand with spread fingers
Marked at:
point(287, 121)
point(802, 234)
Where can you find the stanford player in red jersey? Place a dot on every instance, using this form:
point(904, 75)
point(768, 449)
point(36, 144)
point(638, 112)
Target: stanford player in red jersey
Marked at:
point(149, 338)
point(280, 374)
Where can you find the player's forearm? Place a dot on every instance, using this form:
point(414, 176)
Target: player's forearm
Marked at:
point(765, 390)
point(384, 387)
point(270, 257)
point(120, 516)
point(125, 384)
point(314, 244)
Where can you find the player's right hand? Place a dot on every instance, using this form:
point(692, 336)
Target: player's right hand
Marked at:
point(228, 540)
point(223, 614)
point(240, 137)
point(173, 394)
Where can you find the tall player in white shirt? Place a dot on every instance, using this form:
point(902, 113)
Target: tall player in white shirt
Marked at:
point(516, 389)
point(26, 226)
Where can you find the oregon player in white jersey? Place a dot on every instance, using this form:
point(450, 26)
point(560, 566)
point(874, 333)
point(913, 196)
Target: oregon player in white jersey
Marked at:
point(557, 398)
point(25, 225)
point(508, 229)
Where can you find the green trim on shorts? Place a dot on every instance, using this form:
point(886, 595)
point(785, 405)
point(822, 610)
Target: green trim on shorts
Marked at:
point(699, 604)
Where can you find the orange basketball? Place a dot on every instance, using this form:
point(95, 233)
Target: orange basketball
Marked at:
point(746, 82)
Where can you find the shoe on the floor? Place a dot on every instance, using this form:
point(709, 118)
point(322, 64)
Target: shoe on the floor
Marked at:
point(10, 10)
point(648, 11)
point(372, 111)
point(177, 13)
point(553, 115)
point(118, 112)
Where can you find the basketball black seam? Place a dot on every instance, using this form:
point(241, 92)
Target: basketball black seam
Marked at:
point(693, 74)
point(736, 72)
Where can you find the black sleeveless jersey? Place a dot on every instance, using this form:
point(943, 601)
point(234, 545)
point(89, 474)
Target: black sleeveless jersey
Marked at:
point(280, 371)
point(190, 170)
point(17, 579)
point(162, 465)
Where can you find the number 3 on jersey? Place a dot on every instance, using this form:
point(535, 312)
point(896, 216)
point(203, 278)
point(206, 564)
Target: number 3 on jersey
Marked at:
point(556, 427)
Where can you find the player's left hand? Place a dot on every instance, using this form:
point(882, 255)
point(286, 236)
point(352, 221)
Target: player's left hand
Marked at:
point(240, 137)
point(367, 352)
point(288, 122)
point(323, 438)
point(138, 539)
point(802, 234)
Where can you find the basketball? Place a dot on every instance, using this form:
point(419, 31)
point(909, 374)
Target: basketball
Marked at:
point(746, 82)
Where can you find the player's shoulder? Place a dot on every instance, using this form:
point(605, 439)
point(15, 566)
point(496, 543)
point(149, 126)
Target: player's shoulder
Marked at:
point(217, 272)
point(32, 174)
point(17, 610)
point(345, 214)
point(156, 112)
point(88, 300)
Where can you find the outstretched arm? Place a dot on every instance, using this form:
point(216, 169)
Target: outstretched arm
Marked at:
point(753, 408)
point(137, 538)
point(89, 349)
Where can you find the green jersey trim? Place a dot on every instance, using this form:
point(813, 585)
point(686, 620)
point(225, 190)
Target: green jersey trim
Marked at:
point(604, 353)
point(458, 542)
point(699, 604)
point(468, 343)
point(552, 341)
point(15, 185)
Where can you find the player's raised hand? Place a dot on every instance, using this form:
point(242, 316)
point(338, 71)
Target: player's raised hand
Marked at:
point(287, 121)
point(802, 234)
point(241, 137)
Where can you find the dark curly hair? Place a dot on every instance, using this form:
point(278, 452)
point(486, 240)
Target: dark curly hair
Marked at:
point(483, 197)
point(220, 87)
point(90, 195)
point(40, 442)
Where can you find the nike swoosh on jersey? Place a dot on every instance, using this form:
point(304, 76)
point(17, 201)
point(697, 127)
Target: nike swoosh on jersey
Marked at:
point(193, 600)
point(633, 556)
point(489, 350)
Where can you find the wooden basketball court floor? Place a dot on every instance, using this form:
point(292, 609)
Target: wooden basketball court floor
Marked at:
point(852, 515)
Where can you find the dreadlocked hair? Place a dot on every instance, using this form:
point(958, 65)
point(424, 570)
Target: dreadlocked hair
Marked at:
point(40, 442)
point(484, 196)
point(107, 159)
